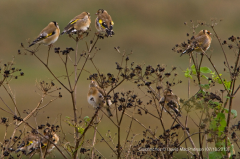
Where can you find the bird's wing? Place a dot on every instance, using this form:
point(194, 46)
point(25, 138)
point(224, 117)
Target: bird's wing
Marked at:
point(162, 102)
point(74, 21)
point(173, 103)
point(102, 23)
point(200, 40)
point(162, 99)
point(106, 20)
point(100, 90)
point(47, 32)
point(101, 97)
point(70, 25)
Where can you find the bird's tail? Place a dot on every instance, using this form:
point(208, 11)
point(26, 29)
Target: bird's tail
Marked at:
point(173, 106)
point(31, 151)
point(183, 53)
point(18, 150)
point(177, 112)
point(63, 32)
point(32, 44)
point(110, 31)
point(109, 103)
point(109, 111)
point(36, 41)
point(187, 51)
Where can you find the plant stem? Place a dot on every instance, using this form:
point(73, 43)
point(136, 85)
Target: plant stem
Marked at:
point(221, 48)
point(230, 102)
point(49, 48)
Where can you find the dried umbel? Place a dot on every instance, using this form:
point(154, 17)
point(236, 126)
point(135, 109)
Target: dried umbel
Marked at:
point(8, 71)
point(47, 88)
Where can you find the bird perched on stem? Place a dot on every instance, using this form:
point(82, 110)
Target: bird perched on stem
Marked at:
point(47, 145)
point(96, 99)
point(170, 102)
point(80, 24)
point(33, 142)
point(104, 23)
point(29, 143)
point(199, 43)
point(48, 35)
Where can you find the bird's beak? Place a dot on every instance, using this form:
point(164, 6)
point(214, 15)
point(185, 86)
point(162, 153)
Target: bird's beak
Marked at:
point(209, 33)
point(96, 14)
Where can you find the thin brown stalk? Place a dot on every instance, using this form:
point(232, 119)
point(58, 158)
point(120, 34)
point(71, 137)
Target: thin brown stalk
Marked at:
point(186, 121)
point(206, 144)
point(199, 129)
point(89, 51)
point(4, 138)
point(236, 91)
point(119, 134)
point(216, 71)
point(66, 68)
point(32, 112)
point(221, 48)
point(106, 142)
point(52, 73)
point(189, 78)
point(160, 114)
point(197, 70)
point(12, 98)
point(115, 86)
point(153, 134)
point(83, 134)
point(75, 118)
point(189, 137)
point(74, 101)
point(75, 84)
point(93, 141)
point(109, 118)
point(49, 48)
point(129, 129)
point(1, 82)
point(6, 106)
point(47, 103)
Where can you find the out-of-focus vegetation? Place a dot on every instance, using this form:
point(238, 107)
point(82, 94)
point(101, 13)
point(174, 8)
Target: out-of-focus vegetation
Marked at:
point(148, 28)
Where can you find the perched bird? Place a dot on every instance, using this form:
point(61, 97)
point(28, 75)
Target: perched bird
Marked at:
point(104, 23)
point(49, 135)
point(170, 102)
point(79, 23)
point(29, 143)
point(96, 99)
point(48, 35)
point(199, 43)
point(34, 142)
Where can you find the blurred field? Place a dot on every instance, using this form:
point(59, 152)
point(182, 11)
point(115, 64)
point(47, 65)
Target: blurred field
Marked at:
point(149, 28)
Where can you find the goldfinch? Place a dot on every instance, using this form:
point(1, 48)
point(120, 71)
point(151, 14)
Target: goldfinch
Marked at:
point(201, 42)
point(170, 102)
point(33, 142)
point(29, 143)
point(48, 35)
point(49, 135)
point(96, 99)
point(104, 23)
point(79, 23)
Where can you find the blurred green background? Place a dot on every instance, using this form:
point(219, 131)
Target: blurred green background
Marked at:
point(148, 28)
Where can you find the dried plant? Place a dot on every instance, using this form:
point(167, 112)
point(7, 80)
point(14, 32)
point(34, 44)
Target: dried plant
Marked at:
point(151, 96)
